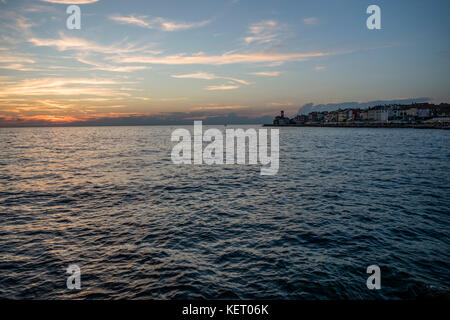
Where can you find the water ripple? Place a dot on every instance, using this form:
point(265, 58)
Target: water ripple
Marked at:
point(110, 200)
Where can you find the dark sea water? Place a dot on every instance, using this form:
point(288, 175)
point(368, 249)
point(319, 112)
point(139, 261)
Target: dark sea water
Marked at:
point(110, 200)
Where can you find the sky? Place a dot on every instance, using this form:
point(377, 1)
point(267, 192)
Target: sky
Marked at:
point(229, 60)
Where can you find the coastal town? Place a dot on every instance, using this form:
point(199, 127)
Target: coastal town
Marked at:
point(415, 115)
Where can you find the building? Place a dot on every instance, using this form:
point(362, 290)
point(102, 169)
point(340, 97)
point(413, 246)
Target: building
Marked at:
point(382, 115)
point(331, 117)
point(299, 119)
point(312, 117)
point(371, 115)
point(342, 116)
point(424, 112)
point(281, 120)
point(353, 114)
point(441, 110)
point(378, 114)
point(363, 115)
point(412, 112)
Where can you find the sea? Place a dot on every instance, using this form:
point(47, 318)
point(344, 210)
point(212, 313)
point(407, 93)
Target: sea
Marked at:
point(111, 201)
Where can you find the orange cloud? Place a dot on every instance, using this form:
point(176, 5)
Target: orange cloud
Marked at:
point(63, 86)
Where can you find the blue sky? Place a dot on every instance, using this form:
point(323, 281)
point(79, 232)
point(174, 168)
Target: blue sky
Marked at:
point(209, 58)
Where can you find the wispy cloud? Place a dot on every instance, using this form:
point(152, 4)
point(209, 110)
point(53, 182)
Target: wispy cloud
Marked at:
point(208, 76)
point(197, 75)
point(138, 21)
point(79, 44)
point(84, 50)
point(14, 24)
point(223, 59)
point(222, 87)
point(23, 24)
point(64, 87)
point(109, 67)
point(158, 23)
point(266, 73)
point(18, 67)
point(239, 81)
point(233, 82)
point(319, 68)
point(167, 25)
point(123, 52)
point(263, 32)
point(311, 21)
point(16, 61)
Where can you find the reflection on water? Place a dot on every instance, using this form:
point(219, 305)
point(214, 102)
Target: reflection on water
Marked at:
point(110, 200)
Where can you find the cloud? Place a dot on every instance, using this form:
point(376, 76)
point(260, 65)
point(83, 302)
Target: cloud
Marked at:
point(18, 67)
point(210, 76)
point(63, 87)
point(85, 48)
point(223, 59)
point(198, 75)
point(167, 25)
point(71, 1)
point(158, 23)
point(108, 67)
point(311, 21)
point(14, 61)
point(65, 43)
point(222, 87)
point(41, 8)
point(263, 32)
point(138, 21)
point(22, 24)
point(239, 81)
point(122, 52)
point(319, 68)
point(266, 73)
point(14, 25)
